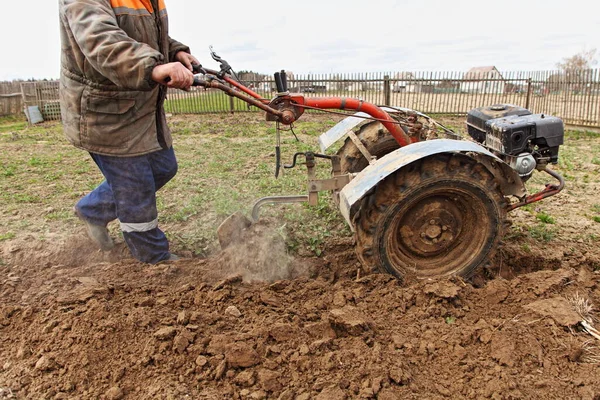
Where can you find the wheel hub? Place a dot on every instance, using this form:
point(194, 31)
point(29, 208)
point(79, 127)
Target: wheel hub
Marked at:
point(431, 231)
point(430, 228)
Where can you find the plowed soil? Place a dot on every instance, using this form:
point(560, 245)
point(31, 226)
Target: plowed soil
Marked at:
point(83, 325)
point(76, 323)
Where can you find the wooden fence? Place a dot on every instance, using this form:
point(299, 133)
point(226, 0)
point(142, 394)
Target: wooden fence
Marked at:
point(26, 97)
point(575, 97)
point(10, 98)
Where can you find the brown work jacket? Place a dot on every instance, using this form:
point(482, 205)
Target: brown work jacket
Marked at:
point(109, 103)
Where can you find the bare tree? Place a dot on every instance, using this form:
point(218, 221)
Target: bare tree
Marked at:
point(576, 71)
point(578, 62)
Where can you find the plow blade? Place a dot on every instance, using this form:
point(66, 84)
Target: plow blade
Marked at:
point(232, 228)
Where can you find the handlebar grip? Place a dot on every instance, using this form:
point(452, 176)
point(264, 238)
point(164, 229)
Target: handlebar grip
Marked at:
point(279, 82)
point(197, 68)
point(284, 81)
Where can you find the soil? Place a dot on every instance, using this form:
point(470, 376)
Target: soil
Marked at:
point(81, 324)
point(253, 322)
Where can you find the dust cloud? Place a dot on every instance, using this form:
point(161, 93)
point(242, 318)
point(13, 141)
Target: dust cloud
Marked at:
point(260, 255)
point(73, 250)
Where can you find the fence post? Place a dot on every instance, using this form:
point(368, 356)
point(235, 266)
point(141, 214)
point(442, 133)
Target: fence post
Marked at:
point(387, 92)
point(25, 106)
point(231, 104)
point(528, 99)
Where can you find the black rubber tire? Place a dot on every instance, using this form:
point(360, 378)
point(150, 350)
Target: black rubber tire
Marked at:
point(441, 216)
point(375, 138)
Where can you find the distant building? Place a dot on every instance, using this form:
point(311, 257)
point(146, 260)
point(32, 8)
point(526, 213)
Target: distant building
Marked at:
point(483, 80)
point(405, 82)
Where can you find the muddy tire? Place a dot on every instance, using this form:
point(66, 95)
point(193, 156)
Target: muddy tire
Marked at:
point(443, 215)
point(375, 138)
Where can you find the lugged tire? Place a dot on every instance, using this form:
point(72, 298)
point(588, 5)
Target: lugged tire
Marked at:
point(375, 138)
point(440, 216)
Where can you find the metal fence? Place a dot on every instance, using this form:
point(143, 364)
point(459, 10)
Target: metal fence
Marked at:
point(575, 97)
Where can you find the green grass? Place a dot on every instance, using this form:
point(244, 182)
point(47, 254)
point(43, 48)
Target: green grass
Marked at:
point(12, 123)
point(7, 236)
point(541, 232)
point(545, 218)
point(450, 320)
point(225, 164)
point(203, 101)
point(568, 160)
point(581, 135)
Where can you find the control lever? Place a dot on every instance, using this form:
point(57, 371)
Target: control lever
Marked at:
point(225, 67)
point(279, 82)
point(284, 80)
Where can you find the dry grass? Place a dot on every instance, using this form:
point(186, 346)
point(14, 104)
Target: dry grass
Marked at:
point(583, 307)
point(590, 353)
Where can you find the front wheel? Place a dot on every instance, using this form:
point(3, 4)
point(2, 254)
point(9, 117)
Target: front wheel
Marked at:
point(443, 215)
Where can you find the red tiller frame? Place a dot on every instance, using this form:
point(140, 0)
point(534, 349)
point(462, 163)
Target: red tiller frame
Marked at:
point(288, 108)
point(345, 103)
point(300, 102)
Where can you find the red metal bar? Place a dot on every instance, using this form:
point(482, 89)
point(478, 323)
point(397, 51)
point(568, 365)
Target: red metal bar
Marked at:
point(344, 103)
point(234, 93)
point(549, 190)
point(238, 85)
point(246, 90)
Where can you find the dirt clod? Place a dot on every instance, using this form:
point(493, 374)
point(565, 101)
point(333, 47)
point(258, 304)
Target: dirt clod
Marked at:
point(114, 393)
point(165, 333)
point(558, 309)
point(348, 320)
point(233, 311)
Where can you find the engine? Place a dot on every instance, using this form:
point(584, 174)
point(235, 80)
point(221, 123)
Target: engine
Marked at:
point(522, 139)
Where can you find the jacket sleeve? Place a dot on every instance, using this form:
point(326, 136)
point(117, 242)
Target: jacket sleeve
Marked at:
point(126, 62)
point(175, 47)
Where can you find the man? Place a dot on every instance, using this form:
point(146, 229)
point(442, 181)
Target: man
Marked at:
point(116, 64)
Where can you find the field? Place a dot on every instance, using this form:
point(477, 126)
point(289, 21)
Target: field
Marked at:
point(290, 314)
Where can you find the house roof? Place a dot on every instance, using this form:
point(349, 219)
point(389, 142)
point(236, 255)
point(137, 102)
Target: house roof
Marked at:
point(479, 72)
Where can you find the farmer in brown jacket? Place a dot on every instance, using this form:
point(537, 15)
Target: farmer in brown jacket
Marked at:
point(116, 64)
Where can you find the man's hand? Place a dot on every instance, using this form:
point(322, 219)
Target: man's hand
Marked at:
point(186, 59)
point(174, 75)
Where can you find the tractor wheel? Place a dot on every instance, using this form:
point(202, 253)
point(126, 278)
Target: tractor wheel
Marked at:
point(375, 138)
point(441, 216)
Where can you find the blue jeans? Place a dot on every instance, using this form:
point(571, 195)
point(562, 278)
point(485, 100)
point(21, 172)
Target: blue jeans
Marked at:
point(129, 194)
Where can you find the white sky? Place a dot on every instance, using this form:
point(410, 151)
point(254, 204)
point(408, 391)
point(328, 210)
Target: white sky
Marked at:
point(331, 36)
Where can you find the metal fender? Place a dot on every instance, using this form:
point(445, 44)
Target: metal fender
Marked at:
point(341, 129)
point(363, 182)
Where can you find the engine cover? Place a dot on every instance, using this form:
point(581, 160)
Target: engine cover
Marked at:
point(512, 130)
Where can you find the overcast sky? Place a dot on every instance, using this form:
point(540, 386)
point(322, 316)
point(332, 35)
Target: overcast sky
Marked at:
point(330, 36)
